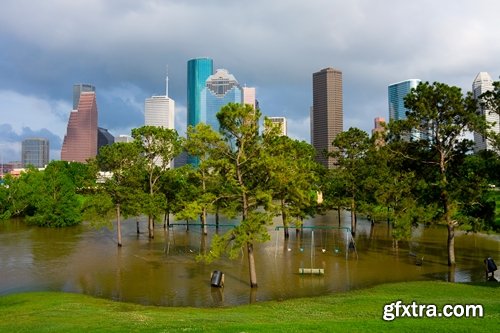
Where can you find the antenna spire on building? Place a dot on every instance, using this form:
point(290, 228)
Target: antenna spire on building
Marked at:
point(166, 84)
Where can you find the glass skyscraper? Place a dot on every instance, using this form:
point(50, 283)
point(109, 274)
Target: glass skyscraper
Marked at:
point(397, 93)
point(198, 71)
point(35, 152)
point(220, 89)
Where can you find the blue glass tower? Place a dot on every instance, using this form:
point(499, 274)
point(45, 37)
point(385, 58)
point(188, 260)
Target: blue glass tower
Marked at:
point(198, 71)
point(220, 89)
point(397, 93)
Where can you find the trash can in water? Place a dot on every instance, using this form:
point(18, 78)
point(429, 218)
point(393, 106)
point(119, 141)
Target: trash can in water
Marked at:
point(490, 268)
point(217, 279)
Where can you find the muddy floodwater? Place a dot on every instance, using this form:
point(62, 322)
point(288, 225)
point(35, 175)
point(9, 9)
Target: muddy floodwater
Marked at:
point(164, 271)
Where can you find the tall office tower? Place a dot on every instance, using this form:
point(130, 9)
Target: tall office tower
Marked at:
point(397, 111)
point(326, 113)
point(77, 90)
point(198, 71)
point(379, 128)
point(483, 83)
point(104, 138)
point(80, 141)
point(397, 92)
point(220, 89)
point(249, 96)
point(159, 111)
point(280, 123)
point(35, 152)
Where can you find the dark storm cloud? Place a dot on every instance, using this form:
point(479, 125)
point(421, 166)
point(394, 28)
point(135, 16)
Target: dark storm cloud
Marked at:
point(123, 48)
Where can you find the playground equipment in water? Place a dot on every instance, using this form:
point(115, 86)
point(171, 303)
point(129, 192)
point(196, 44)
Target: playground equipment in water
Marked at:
point(334, 246)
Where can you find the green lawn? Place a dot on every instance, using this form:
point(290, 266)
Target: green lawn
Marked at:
point(353, 311)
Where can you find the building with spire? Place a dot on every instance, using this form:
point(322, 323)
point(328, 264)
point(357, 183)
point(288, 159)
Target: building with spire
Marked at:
point(483, 83)
point(80, 141)
point(160, 110)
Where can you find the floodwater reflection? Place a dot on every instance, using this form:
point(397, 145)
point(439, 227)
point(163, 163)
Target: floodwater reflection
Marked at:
point(164, 271)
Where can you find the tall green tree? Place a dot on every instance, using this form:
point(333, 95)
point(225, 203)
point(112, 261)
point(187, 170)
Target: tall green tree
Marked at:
point(158, 146)
point(441, 114)
point(203, 142)
point(292, 177)
point(350, 151)
point(122, 184)
point(242, 159)
point(54, 198)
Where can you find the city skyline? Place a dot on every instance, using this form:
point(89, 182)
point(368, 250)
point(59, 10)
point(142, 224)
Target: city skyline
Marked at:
point(124, 48)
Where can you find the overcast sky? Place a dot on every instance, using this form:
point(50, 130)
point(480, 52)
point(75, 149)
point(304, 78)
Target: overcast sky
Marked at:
point(123, 47)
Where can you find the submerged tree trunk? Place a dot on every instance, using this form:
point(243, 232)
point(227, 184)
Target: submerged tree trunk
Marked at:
point(451, 244)
point(137, 226)
point(119, 225)
point(284, 220)
point(251, 266)
point(203, 218)
point(353, 217)
point(338, 214)
point(151, 227)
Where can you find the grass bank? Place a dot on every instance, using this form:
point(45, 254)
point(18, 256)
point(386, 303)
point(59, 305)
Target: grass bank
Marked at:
point(354, 311)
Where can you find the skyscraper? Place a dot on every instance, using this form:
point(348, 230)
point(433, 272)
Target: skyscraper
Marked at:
point(104, 138)
point(77, 90)
point(80, 141)
point(326, 113)
point(159, 111)
point(396, 94)
point(198, 71)
point(378, 130)
point(220, 89)
point(280, 123)
point(483, 83)
point(35, 152)
point(249, 96)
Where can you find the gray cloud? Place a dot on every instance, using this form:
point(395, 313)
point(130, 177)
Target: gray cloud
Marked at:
point(122, 47)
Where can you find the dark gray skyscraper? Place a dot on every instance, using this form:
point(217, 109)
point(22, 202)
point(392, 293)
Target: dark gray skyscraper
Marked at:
point(327, 117)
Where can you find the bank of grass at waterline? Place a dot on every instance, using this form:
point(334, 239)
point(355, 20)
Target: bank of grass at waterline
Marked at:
point(359, 310)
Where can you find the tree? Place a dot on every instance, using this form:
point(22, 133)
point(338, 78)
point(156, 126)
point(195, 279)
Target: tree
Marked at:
point(241, 159)
point(292, 178)
point(350, 150)
point(54, 197)
point(203, 142)
point(123, 162)
point(158, 146)
point(441, 115)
